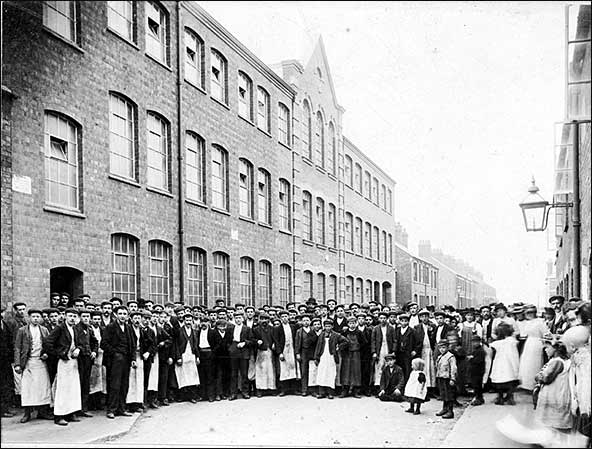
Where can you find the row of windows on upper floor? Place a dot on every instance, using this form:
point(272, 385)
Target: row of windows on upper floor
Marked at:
point(61, 17)
point(255, 286)
point(425, 275)
point(366, 240)
point(358, 290)
point(367, 185)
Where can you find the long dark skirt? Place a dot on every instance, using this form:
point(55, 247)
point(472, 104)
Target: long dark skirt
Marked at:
point(351, 369)
point(447, 391)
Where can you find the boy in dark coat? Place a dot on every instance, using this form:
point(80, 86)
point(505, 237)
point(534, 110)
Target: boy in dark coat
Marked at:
point(392, 381)
point(351, 369)
point(405, 343)
point(89, 347)
point(327, 358)
point(305, 344)
point(476, 370)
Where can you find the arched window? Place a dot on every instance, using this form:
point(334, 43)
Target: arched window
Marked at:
point(384, 248)
point(390, 249)
point(264, 282)
point(157, 32)
point(160, 261)
point(283, 124)
point(349, 232)
point(367, 239)
point(195, 154)
point(320, 220)
point(245, 96)
point(306, 130)
point(124, 266)
point(219, 177)
point(375, 191)
point(358, 294)
point(358, 236)
point(262, 109)
point(319, 140)
point(218, 76)
point(367, 183)
point(263, 196)
point(196, 277)
point(194, 58)
point(306, 215)
point(331, 227)
point(220, 274)
point(285, 215)
point(122, 137)
point(349, 171)
point(349, 290)
point(358, 178)
point(375, 244)
point(245, 186)
point(285, 284)
point(158, 152)
point(307, 291)
point(332, 151)
point(383, 197)
point(368, 290)
point(247, 281)
point(321, 287)
point(62, 162)
point(332, 288)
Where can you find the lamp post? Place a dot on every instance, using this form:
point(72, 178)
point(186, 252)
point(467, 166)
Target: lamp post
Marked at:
point(535, 209)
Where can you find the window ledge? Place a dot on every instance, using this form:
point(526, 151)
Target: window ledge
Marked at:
point(201, 89)
point(332, 176)
point(247, 219)
point(265, 225)
point(359, 193)
point(214, 99)
point(321, 246)
point(307, 160)
point(333, 250)
point(159, 191)
point(369, 258)
point(348, 186)
point(220, 211)
point(160, 63)
point(131, 182)
point(347, 251)
point(359, 255)
point(284, 145)
point(321, 169)
point(264, 132)
point(59, 210)
point(123, 38)
point(196, 203)
point(283, 231)
point(307, 242)
point(246, 120)
point(72, 44)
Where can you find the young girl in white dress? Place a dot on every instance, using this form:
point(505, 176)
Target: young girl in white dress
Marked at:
point(416, 388)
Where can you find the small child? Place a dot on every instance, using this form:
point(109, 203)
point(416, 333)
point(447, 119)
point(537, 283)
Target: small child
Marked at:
point(416, 387)
point(505, 365)
point(446, 372)
point(554, 398)
point(477, 370)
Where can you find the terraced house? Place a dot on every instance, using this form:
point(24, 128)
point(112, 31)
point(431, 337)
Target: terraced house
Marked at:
point(146, 152)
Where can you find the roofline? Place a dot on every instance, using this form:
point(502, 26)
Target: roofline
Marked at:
point(368, 160)
point(324, 54)
point(407, 251)
point(215, 26)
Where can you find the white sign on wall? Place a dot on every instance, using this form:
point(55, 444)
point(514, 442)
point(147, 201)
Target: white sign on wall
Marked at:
point(21, 184)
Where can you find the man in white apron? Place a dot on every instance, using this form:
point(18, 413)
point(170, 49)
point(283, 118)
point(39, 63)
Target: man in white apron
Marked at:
point(187, 356)
point(326, 353)
point(152, 364)
point(285, 334)
point(426, 331)
point(251, 322)
point(264, 369)
point(14, 323)
point(98, 375)
point(135, 393)
point(382, 338)
point(29, 361)
point(67, 397)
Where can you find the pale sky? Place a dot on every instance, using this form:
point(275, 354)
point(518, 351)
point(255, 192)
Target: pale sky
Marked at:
point(455, 100)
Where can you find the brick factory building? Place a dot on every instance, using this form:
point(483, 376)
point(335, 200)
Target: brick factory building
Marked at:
point(147, 153)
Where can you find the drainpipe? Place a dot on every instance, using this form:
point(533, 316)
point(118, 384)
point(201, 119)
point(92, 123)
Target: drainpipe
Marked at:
point(576, 223)
point(180, 157)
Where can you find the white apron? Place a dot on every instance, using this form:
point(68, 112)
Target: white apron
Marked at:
point(98, 373)
point(135, 392)
point(187, 374)
point(66, 386)
point(288, 367)
point(264, 373)
point(380, 362)
point(153, 377)
point(251, 372)
point(428, 358)
point(17, 380)
point(327, 369)
point(312, 373)
point(36, 388)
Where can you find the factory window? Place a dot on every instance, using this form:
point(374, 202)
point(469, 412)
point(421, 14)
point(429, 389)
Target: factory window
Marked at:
point(245, 96)
point(306, 215)
point(264, 196)
point(196, 277)
point(60, 16)
point(245, 188)
point(124, 266)
point(283, 124)
point(262, 109)
point(194, 167)
point(219, 178)
point(120, 18)
point(264, 282)
point(194, 58)
point(159, 271)
point(220, 277)
point(247, 281)
point(285, 284)
point(122, 137)
point(158, 152)
point(306, 130)
point(157, 32)
point(218, 76)
point(285, 206)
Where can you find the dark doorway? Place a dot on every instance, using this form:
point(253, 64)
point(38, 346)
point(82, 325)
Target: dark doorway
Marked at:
point(66, 279)
point(386, 293)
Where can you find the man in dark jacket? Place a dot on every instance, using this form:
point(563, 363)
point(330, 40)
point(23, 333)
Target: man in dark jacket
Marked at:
point(380, 346)
point(239, 352)
point(187, 359)
point(165, 355)
point(6, 374)
point(118, 344)
point(365, 353)
point(89, 346)
point(220, 339)
point(405, 337)
point(305, 345)
point(155, 338)
point(284, 337)
point(392, 381)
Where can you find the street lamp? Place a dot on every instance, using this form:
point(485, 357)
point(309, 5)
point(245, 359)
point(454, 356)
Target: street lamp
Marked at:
point(535, 209)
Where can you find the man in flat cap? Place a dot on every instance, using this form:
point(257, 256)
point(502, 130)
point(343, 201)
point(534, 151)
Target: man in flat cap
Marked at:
point(365, 353)
point(425, 346)
point(142, 349)
point(383, 342)
point(264, 370)
point(98, 373)
point(392, 380)
point(326, 358)
point(305, 345)
point(89, 346)
point(405, 346)
point(284, 337)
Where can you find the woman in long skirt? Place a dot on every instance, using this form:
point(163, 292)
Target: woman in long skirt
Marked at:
point(531, 360)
